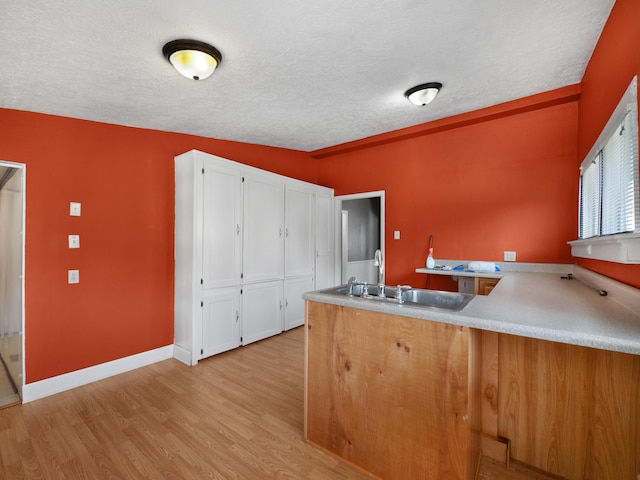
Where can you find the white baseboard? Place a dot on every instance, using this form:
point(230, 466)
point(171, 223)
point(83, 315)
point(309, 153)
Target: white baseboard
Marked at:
point(182, 355)
point(50, 386)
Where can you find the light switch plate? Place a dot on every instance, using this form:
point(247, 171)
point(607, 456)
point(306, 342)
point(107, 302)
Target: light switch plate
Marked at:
point(74, 209)
point(396, 235)
point(74, 241)
point(74, 276)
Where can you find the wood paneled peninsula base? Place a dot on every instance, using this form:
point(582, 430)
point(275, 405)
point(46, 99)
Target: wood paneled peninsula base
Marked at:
point(407, 398)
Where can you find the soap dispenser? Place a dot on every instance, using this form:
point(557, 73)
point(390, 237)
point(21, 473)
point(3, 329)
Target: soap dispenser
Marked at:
point(431, 263)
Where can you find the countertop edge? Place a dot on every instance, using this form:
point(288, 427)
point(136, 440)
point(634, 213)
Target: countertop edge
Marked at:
point(487, 313)
point(503, 266)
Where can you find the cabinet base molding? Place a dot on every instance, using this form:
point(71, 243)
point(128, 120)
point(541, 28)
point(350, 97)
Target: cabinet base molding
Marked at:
point(340, 459)
point(497, 448)
point(182, 355)
point(490, 469)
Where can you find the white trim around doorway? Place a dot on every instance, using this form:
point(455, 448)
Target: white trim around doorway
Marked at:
point(22, 167)
point(338, 227)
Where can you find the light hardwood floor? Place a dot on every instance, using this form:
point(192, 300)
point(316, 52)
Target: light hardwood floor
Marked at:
point(237, 415)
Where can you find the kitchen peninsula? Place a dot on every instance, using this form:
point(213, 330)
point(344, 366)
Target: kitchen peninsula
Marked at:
point(544, 365)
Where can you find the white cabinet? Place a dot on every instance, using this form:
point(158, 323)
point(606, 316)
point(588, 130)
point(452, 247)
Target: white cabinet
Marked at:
point(325, 241)
point(220, 320)
point(261, 310)
point(248, 244)
point(299, 231)
point(221, 226)
point(188, 260)
point(293, 301)
point(263, 231)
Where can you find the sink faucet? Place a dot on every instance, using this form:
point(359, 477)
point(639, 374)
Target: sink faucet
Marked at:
point(399, 290)
point(350, 286)
point(379, 262)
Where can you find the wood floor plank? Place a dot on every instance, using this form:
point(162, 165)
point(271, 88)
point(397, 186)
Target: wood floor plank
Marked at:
point(234, 416)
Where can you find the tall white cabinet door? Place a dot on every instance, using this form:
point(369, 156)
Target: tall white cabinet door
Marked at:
point(261, 310)
point(293, 301)
point(324, 240)
point(263, 235)
point(220, 320)
point(299, 231)
point(221, 226)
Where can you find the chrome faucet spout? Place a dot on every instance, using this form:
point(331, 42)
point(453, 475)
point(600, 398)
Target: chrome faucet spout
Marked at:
point(350, 283)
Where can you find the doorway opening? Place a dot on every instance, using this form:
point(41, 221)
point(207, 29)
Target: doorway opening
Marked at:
point(360, 232)
point(12, 181)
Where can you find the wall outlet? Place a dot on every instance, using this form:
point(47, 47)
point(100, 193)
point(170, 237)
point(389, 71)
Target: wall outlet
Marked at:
point(74, 276)
point(396, 234)
point(74, 241)
point(509, 256)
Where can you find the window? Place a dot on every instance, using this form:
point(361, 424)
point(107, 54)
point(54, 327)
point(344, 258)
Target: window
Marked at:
point(609, 191)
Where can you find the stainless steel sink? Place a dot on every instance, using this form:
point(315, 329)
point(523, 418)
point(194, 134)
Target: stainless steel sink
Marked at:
point(435, 298)
point(415, 297)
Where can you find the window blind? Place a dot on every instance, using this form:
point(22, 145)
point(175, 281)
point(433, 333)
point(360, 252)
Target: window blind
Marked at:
point(618, 202)
point(609, 193)
point(590, 200)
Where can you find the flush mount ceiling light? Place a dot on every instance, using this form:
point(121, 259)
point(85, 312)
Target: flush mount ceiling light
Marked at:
point(422, 94)
point(192, 58)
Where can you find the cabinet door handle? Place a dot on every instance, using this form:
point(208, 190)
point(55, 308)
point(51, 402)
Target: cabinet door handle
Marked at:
point(280, 233)
point(286, 233)
point(237, 229)
point(237, 316)
point(280, 304)
point(286, 303)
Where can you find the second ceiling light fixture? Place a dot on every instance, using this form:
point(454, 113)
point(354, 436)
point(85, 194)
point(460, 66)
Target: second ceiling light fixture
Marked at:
point(422, 94)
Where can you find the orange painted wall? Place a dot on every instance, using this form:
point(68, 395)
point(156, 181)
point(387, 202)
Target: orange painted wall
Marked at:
point(503, 179)
point(124, 179)
point(614, 62)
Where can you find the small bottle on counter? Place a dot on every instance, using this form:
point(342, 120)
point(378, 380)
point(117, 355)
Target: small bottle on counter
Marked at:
point(431, 263)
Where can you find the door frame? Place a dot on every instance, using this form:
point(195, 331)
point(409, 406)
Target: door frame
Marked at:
point(23, 167)
point(338, 227)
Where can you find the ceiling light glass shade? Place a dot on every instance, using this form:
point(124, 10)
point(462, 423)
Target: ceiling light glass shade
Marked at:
point(422, 94)
point(192, 58)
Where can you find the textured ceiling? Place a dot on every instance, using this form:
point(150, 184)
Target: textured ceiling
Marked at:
point(295, 74)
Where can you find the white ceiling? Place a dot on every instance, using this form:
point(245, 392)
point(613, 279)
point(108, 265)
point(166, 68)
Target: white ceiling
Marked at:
point(297, 74)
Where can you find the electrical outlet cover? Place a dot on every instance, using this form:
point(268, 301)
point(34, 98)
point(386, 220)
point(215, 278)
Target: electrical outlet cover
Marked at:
point(74, 276)
point(74, 209)
point(509, 256)
point(74, 241)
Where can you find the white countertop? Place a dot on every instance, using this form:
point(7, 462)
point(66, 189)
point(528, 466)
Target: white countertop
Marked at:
point(503, 266)
point(537, 304)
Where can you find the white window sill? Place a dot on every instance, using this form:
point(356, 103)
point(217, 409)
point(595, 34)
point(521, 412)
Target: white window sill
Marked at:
point(621, 248)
